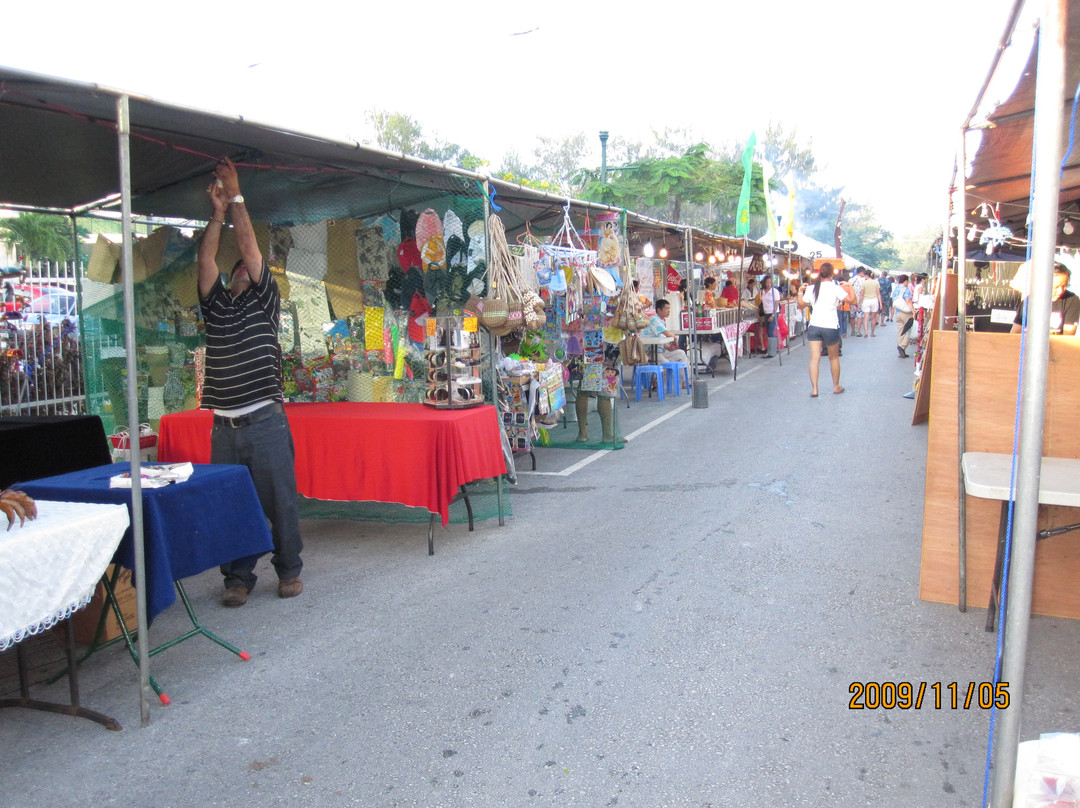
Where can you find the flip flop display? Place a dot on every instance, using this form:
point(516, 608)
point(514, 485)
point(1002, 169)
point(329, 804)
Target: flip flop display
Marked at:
point(430, 242)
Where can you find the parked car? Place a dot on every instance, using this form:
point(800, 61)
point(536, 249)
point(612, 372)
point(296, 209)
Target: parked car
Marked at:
point(18, 296)
point(53, 307)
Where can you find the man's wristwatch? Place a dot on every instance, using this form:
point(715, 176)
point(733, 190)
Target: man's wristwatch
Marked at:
point(235, 199)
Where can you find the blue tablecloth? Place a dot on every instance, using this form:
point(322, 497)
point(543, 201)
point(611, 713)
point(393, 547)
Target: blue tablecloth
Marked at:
point(188, 527)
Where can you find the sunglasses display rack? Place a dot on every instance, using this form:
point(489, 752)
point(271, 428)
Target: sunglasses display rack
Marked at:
point(453, 366)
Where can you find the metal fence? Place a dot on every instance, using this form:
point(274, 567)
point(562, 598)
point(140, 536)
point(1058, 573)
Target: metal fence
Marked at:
point(41, 370)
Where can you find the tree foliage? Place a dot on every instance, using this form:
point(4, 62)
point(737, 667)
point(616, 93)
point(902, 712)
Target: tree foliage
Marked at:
point(39, 236)
point(677, 178)
point(818, 203)
point(693, 187)
point(399, 133)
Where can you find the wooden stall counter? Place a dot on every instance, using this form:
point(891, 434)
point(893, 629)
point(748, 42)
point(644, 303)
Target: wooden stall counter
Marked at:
point(992, 369)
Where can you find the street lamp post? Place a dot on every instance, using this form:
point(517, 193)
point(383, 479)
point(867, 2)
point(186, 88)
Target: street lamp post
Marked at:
point(603, 157)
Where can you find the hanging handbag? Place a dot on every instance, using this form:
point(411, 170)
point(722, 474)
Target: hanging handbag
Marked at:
point(493, 312)
point(632, 351)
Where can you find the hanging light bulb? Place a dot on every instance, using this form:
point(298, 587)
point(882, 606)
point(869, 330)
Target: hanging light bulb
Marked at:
point(699, 256)
point(648, 250)
point(712, 259)
point(1068, 228)
point(663, 252)
point(972, 232)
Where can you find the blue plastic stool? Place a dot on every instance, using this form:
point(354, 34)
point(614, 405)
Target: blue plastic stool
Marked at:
point(671, 376)
point(648, 372)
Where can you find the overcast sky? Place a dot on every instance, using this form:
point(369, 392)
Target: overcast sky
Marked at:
point(881, 89)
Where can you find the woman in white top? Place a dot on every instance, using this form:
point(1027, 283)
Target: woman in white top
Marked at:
point(823, 296)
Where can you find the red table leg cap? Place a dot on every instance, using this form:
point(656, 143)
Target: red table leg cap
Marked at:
point(244, 655)
point(165, 700)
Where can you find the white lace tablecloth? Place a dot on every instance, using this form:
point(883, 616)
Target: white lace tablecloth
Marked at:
point(49, 567)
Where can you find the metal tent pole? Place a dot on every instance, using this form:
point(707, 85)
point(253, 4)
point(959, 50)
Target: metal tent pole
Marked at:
point(961, 369)
point(493, 374)
point(738, 314)
point(692, 289)
point(776, 311)
point(123, 130)
point(945, 236)
point(787, 308)
point(1046, 144)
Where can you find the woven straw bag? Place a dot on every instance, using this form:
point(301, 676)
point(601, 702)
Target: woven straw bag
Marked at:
point(504, 283)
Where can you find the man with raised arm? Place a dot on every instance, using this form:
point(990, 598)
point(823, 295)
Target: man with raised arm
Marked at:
point(243, 385)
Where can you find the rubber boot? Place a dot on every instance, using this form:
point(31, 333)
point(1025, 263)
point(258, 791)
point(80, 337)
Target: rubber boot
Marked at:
point(582, 407)
point(607, 421)
point(771, 354)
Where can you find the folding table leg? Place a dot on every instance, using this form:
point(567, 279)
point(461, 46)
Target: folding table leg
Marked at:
point(198, 628)
point(462, 494)
point(129, 637)
point(74, 708)
point(468, 504)
point(999, 563)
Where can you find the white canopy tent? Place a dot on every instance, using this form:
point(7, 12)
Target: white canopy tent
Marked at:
point(809, 247)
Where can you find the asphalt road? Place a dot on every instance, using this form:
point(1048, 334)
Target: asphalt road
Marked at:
point(678, 623)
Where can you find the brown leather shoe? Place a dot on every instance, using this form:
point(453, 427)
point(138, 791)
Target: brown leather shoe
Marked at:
point(235, 596)
point(289, 587)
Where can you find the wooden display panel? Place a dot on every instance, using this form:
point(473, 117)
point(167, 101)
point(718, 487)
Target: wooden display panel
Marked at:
point(992, 365)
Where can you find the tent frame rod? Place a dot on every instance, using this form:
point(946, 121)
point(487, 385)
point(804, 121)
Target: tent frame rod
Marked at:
point(961, 369)
point(123, 132)
point(1047, 147)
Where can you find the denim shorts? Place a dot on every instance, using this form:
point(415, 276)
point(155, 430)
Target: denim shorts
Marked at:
point(829, 336)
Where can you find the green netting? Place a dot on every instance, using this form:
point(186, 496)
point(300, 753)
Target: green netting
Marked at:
point(565, 433)
point(482, 495)
point(349, 284)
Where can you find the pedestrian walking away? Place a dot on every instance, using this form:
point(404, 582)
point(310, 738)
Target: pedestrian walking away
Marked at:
point(823, 296)
point(903, 311)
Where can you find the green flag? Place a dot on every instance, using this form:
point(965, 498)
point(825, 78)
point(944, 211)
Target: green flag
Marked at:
point(742, 217)
point(767, 175)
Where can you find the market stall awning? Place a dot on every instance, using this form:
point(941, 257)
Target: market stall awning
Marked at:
point(1000, 170)
point(58, 152)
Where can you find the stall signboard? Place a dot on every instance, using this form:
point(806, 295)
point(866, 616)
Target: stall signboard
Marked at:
point(732, 336)
point(837, 263)
point(706, 323)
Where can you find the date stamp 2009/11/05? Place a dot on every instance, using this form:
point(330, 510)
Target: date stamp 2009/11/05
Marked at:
point(932, 695)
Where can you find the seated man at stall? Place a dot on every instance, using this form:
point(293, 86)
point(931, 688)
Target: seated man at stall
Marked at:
point(669, 352)
point(1064, 310)
point(730, 293)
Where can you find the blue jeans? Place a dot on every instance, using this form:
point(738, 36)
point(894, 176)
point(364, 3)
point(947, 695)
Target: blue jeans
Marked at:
point(264, 444)
point(842, 316)
point(770, 325)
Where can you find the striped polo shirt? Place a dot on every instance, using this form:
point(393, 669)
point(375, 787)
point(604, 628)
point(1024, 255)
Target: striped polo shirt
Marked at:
point(243, 357)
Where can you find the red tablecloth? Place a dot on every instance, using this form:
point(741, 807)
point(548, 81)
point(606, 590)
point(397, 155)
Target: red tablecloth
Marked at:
point(406, 453)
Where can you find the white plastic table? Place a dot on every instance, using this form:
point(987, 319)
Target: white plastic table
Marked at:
point(987, 475)
point(48, 570)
